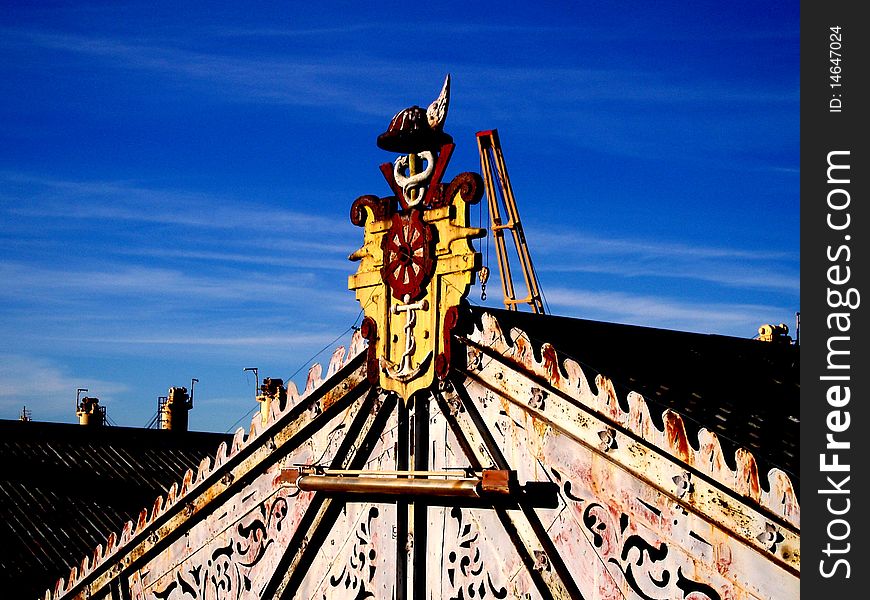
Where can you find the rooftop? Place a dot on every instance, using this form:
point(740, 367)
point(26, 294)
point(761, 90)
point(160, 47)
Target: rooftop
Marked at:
point(64, 487)
point(744, 390)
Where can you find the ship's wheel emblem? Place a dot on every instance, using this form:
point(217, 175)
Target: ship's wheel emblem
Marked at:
point(408, 255)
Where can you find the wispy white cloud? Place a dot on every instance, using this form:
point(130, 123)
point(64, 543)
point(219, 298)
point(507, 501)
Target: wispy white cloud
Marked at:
point(592, 244)
point(46, 387)
point(627, 33)
point(733, 319)
point(171, 286)
point(337, 81)
point(733, 267)
point(602, 109)
point(584, 85)
point(299, 81)
point(763, 278)
point(112, 307)
point(290, 32)
point(43, 197)
point(301, 262)
point(176, 338)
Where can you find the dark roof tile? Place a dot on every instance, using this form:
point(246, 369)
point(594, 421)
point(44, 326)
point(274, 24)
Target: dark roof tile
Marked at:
point(65, 488)
point(745, 390)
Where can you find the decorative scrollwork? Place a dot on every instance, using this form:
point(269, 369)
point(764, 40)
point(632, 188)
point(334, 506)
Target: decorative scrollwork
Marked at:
point(770, 537)
point(369, 331)
point(645, 566)
point(469, 186)
point(465, 569)
point(224, 573)
point(413, 185)
point(608, 439)
point(443, 360)
point(359, 570)
point(537, 397)
point(684, 484)
point(378, 207)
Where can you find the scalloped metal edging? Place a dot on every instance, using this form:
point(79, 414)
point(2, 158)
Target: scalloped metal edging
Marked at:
point(568, 377)
point(191, 481)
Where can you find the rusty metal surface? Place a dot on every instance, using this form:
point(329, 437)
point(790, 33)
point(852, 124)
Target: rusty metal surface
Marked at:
point(644, 503)
point(420, 484)
point(510, 556)
point(708, 413)
point(448, 488)
point(512, 393)
point(608, 510)
point(745, 392)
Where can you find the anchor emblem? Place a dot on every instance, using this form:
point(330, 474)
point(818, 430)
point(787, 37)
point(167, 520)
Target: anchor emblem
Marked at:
point(404, 371)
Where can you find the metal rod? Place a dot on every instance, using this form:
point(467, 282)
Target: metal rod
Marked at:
point(458, 473)
point(465, 488)
point(78, 397)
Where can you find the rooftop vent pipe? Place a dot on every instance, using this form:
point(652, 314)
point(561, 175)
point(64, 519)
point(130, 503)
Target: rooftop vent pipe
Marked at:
point(774, 333)
point(272, 390)
point(90, 413)
point(174, 409)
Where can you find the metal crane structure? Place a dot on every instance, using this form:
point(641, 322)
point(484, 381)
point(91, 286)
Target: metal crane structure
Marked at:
point(500, 196)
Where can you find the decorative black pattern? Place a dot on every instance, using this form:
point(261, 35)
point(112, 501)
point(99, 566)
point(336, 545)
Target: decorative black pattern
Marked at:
point(643, 564)
point(474, 582)
point(359, 570)
point(224, 574)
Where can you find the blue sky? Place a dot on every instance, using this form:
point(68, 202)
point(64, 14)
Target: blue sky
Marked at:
point(175, 178)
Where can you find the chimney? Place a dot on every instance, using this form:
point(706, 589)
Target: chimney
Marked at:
point(777, 334)
point(90, 413)
point(272, 390)
point(173, 412)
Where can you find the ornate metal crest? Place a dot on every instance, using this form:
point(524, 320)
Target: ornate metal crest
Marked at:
point(417, 261)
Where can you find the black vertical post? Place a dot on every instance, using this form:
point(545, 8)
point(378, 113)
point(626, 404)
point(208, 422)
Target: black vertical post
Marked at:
point(421, 509)
point(402, 454)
